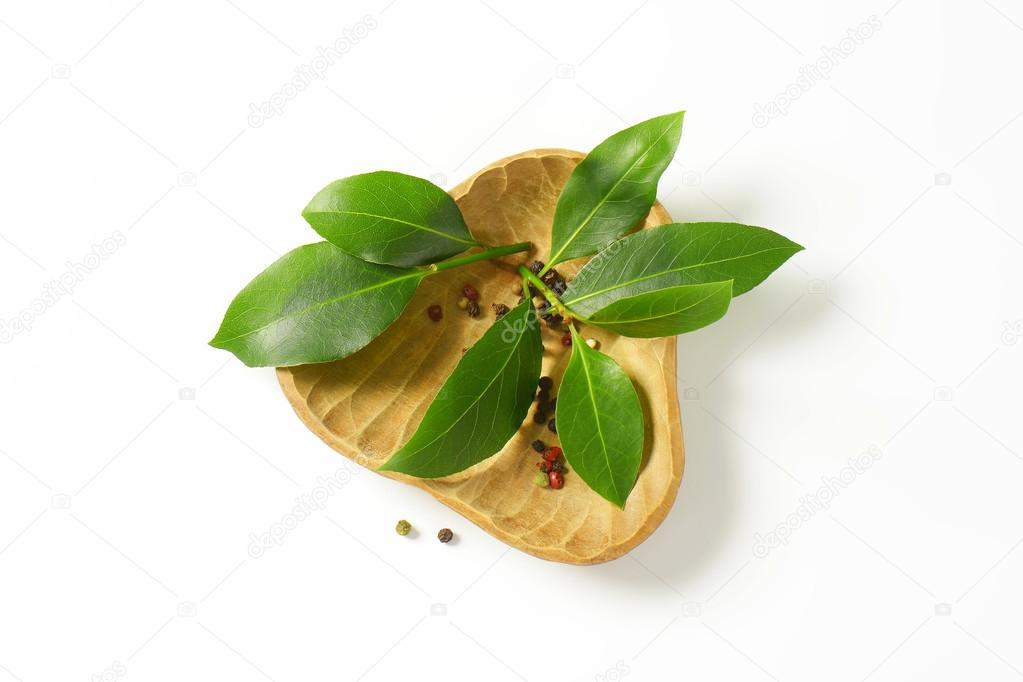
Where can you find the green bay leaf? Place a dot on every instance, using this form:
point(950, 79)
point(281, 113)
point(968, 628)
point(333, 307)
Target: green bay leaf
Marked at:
point(390, 218)
point(316, 303)
point(481, 405)
point(600, 422)
point(613, 188)
point(666, 312)
point(678, 254)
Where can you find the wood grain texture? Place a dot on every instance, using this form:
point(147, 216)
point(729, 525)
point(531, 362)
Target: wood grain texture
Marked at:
point(367, 405)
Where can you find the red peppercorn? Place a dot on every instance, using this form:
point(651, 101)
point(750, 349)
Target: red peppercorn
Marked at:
point(566, 339)
point(543, 466)
point(553, 453)
point(469, 291)
point(557, 481)
point(435, 312)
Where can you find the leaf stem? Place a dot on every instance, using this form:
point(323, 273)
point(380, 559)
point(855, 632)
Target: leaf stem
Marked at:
point(486, 254)
point(551, 297)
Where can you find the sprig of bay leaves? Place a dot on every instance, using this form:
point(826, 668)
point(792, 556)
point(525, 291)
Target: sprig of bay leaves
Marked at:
point(387, 231)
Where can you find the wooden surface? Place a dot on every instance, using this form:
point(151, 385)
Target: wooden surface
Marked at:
point(368, 404)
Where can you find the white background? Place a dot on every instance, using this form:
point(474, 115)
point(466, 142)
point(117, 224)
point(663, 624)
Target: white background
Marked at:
point(136, 462)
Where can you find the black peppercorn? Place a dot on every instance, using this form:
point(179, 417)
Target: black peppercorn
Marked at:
point(536, 267)
point(550, 277)
point(554, 321)
point(539, 445)
point(552, 426)
point(559, 287)
point(500, 310)
point(539, 417)
point(546, 383)
point(473, 308)
point(445, 535)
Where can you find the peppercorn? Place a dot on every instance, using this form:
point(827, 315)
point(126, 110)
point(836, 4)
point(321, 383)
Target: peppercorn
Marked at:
point(552, 425)
point(533, 291)
point(536, 267)
point(403, 527)
point(554, 321)
point(435, 312)
point(445, 535)
point(542, 396)
point(539, 417)
point(559, 287)
point(556, 480)
point(546, 383)
point(544, 466)
point(500, 310)
point(553, 453)
point(566, 339)
point(539, 445)
point(540, 478)
point(473, 309)
point(469, 291)
point(463, 303)
point(557, 465)
point(550, 277)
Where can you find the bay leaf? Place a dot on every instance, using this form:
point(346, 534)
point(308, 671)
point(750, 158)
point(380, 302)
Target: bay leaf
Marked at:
point(613, 188)
point(481, 404)
point(391, 218)
point(316, 303)
point(600, 422)
point(666, 312)
point(678, 254)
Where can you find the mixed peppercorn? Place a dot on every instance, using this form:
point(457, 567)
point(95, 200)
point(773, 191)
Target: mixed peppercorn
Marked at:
point(470, 303)
point(551, 467)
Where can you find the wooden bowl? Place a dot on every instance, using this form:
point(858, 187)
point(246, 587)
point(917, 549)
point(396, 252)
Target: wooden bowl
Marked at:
point(367, 405)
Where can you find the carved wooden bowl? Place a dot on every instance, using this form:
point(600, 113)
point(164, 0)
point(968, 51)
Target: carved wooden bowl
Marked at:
point(367, 405)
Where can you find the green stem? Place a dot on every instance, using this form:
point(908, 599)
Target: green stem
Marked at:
point(551, 297)
point(486, 254)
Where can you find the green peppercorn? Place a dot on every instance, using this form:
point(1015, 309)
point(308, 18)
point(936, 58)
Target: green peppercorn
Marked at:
point(540, 478)
point(445, 535)
point(403, 527)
